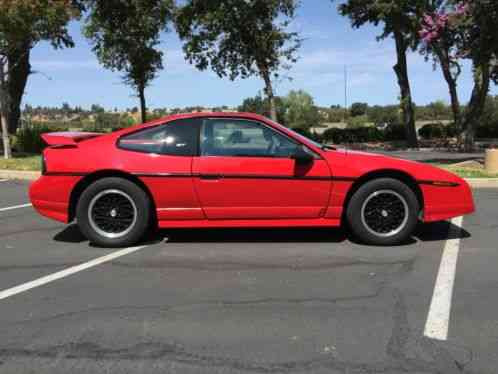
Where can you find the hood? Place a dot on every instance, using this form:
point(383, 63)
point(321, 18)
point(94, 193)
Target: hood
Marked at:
point(355, 164)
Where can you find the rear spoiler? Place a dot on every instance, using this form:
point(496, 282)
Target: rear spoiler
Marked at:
point(67, 138)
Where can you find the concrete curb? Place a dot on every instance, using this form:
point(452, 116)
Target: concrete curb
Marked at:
point(32, 175)
point(483, 182)
point(19, 175)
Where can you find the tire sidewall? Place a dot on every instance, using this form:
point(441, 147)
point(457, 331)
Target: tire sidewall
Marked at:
point(138, 196)
point(354, 211)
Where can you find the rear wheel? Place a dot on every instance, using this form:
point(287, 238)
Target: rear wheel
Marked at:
point(113, 212)
point(383, 212)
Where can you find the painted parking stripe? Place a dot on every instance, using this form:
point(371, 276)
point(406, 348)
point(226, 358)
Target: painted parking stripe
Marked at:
point(67, 272)
point(15, 207)
point(438, 318)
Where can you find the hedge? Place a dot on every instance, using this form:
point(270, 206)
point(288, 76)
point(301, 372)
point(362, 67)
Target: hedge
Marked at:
point(437, 131)
point(29, 139)
point(487, 132)
point(364, 134)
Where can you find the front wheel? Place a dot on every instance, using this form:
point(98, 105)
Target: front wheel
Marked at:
point(383, 212)
point(113, 212)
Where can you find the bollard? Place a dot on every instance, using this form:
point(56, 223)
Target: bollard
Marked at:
point(491, 164)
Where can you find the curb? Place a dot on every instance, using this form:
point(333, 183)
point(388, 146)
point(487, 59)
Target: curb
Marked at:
point(33, 175)
point(482, 182)
point(19, 175)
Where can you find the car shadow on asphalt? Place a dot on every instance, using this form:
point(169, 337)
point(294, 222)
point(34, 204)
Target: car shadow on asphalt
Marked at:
point(438, 231)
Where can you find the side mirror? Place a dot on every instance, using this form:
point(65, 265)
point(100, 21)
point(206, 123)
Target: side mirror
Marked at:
point(302, 157)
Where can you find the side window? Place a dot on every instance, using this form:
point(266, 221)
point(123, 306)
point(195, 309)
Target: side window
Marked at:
point(243, 138)
point(178, 138)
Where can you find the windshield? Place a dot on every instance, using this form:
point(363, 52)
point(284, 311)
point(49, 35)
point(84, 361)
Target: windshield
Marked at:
point(305, 138)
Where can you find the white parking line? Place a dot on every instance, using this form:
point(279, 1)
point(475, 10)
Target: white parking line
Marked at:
point(15, 207)
point(438, 318)
point(67, 272)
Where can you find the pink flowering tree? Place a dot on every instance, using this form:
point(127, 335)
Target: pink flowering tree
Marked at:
point(454, 30)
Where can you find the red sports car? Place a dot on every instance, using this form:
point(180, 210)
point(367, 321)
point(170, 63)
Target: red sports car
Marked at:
point(234, 170)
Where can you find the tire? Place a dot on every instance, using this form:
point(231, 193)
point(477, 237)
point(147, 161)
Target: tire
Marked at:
point(113, 212)
point(383, 212)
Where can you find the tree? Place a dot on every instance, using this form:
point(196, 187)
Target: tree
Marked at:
point(125, 35)
point(260, 106)
point(442, 50)
point(240, 38)
point(301, 110)
point(359, 109)
point(399, 20)
point(465, 29)
point(384, 115)
point(438, 110)
point(24, 23)
point(96, 108)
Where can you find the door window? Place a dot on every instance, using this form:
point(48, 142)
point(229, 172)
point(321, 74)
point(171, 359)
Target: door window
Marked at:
point(244, 138)
point(178, 138)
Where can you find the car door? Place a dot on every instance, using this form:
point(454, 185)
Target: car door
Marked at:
point(161, 157)
point(245, 170)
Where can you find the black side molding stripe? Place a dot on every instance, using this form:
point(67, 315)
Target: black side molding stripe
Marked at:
point(438, 183)
point(344, 179)
point(163, 175)
point(244, 176)
point(65, 174)
point(215, 176)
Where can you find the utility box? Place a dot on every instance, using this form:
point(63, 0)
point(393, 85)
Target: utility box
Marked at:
point(491, 164)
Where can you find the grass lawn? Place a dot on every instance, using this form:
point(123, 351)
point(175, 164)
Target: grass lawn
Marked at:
point(25, 162)
point(468, 172)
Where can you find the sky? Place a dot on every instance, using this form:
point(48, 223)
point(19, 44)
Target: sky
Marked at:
point(75, 76)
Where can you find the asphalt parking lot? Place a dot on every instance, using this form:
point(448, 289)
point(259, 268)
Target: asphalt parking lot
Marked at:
point(246, 301)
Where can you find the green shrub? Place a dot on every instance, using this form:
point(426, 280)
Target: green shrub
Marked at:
point(29, 139)
point(358, 135)
point(307, 133)
point(487, 132)
point(357, 122)
point(394, 132)
point(432, 131)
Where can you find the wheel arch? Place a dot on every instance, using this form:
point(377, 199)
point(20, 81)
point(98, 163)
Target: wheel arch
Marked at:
point(403, 177)
point(93, 177)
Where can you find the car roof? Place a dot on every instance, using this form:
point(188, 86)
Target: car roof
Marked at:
point(173, 117)
point(241, 115)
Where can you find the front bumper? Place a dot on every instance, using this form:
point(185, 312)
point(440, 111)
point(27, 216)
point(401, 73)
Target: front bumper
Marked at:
point(442, 203)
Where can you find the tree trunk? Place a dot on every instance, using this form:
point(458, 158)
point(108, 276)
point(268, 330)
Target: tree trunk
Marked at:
point(19, 70)
point(3, 112)
point(7, 153)
point(476, 105)
point(401, 70)
point(445, 63)
point(270, 96)
point(143, 105)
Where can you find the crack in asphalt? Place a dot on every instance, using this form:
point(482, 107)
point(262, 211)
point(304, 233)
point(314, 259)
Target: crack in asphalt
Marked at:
point(233, 265)
point(397, 361)
point(442, 362)
point(227, 266)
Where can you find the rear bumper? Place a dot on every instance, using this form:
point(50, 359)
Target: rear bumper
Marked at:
point(51, 196)
point(442, 203)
